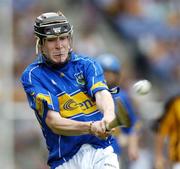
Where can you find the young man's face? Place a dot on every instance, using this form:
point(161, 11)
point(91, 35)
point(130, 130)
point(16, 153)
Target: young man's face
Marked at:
point(56, 49)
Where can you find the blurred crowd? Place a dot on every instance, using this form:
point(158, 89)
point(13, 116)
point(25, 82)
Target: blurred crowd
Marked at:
point(144, 34)
point(152, 27)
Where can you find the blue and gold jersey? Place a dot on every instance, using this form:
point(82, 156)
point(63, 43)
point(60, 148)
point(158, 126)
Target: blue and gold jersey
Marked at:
point(69, 91)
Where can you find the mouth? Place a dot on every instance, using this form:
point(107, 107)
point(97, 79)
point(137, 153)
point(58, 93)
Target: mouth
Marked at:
point(60, 54)
point(57, 54)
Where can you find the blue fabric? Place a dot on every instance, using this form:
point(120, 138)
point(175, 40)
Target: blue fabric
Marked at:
point(69, 91)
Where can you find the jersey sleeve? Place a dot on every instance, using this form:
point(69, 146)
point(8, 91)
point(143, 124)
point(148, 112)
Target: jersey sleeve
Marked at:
point(94, 77)
point(39, 98)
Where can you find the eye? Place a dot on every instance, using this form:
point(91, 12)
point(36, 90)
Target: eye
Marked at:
point(63, 37)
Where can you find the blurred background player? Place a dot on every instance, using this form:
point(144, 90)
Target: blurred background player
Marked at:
point(168, 136)
point(112, 70)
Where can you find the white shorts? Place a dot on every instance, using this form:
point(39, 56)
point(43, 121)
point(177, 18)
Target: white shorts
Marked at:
point(90, 158)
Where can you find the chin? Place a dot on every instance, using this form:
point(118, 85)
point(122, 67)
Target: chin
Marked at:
point(59, 62)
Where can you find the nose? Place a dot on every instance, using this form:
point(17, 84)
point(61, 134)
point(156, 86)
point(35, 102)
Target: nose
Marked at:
point(58, 43)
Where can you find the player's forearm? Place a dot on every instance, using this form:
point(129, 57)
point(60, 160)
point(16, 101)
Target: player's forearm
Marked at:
point(72, 128)
point(105, 103)
point(159, 145)
point(159, 155)
point(133, 140)
point(133, 148)
point(67, 127)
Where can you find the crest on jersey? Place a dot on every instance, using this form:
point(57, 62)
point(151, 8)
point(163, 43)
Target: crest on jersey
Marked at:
point(80, 78)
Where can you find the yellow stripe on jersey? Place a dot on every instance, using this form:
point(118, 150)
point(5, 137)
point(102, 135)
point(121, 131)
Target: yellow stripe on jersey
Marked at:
point(76, 104)
point(39, 102)
point(99, 84)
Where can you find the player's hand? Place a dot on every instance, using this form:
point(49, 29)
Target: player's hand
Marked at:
point(133, 153)
point(107, 120)
point(159, 163)
point(98, 129)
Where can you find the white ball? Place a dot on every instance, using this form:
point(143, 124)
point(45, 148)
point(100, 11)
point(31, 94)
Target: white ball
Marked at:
point(142, 87)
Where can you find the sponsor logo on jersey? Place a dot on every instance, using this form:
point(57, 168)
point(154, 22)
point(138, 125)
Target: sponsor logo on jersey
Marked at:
point(70, 105)
point(79, 103)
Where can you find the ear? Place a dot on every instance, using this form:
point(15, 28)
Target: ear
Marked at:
point(41, 46)
point(70, 43)
point(42, 49)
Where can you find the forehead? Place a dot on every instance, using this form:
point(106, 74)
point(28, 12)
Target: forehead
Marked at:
point(64, 35)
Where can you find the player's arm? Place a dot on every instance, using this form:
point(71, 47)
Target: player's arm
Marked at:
point(105, 103)
point(133, 147)
point(40, 100)
point(68, 127)
point(97, 88)
point(160, 159)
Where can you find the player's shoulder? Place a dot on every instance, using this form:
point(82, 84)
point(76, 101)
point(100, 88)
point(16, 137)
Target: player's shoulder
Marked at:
point(84, 59)
point(31, 68)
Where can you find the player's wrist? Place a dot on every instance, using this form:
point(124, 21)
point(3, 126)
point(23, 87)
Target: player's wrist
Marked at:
point(90, 127)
